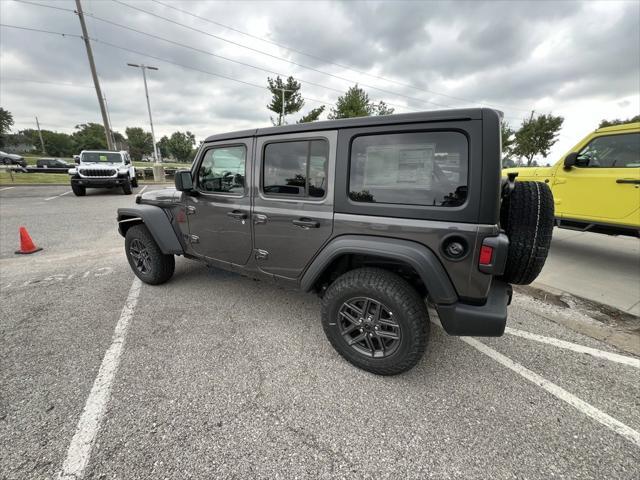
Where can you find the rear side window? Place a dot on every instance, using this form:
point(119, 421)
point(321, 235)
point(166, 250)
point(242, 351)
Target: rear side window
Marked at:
point(417, 168)
point(613, 151)
point(296, 168)
point(223, 170)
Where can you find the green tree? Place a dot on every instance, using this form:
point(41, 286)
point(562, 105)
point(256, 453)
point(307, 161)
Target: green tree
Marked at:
point(313, 115)
point(356, 103)
point(507, 135)
point(140, 142)
point(293, 101)
point(181, 144)
point(89, 136)
point(6, 122)
point(56, 144)
point(163, 147)
point(617, 121)
point(536, 136)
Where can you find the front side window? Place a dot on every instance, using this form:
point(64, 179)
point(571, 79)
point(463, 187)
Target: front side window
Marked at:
point(223, 170)
point(418, 168)
point(296, 168)
point(612, 151)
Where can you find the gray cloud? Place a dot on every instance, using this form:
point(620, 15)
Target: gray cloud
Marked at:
point(508, 54)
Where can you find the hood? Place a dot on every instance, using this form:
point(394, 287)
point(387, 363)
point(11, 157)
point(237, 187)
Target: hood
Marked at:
point(165, 196)
point(102, 165)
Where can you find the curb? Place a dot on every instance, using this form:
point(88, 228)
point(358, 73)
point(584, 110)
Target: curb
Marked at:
point(602, 322)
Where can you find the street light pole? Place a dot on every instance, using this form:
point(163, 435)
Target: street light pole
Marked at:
point(157, 170)
point(282, 114)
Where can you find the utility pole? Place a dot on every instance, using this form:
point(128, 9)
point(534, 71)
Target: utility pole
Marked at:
point(282, 114)
point(158, 172)
point(40, 134)
point(96, 82)
point(113, 137)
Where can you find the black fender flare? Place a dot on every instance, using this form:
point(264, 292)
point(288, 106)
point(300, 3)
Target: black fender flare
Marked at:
point(423, 261)
point(156, 221)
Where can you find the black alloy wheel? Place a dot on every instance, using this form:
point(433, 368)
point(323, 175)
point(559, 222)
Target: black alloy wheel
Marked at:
point(368, 327)
point(140, 256)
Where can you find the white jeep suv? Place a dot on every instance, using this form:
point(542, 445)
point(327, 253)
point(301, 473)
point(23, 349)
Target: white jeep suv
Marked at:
point(103, 169)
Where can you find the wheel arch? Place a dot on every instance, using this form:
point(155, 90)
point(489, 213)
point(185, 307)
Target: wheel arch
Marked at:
point(413, 257)
point(156, 221)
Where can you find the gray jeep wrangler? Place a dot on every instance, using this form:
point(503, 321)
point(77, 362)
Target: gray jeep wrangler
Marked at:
point(378, 215)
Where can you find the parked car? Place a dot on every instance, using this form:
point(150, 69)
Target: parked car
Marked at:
point(52, 163)
point(103, 169)
point(361, 212)
point(12, 159)
point(596, 185)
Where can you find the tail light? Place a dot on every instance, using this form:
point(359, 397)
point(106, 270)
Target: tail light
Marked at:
point(486, 255)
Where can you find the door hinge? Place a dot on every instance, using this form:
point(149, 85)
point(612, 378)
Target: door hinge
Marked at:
point(261, 254)
point(194, 239)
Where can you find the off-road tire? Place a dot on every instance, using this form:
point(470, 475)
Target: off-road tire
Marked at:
point(409, 312)
point(78, 190)
point(126, 187)
point(527, 216)
point(134, 182)
point(161, 266)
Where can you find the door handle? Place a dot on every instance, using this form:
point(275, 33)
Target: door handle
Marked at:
point(237, 214)
point(259, 218)
point(628, 180)
point(306, 223)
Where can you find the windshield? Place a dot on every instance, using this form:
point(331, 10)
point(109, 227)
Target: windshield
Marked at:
point(101, 157)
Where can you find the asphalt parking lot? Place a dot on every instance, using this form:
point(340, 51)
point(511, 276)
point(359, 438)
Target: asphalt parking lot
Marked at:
point(213, 375)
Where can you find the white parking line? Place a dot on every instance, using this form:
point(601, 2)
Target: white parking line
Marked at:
point(613, 357)
point(56, 196)
point(82, 442)
point(608, 421)
point(6, 188)
point(143, 189)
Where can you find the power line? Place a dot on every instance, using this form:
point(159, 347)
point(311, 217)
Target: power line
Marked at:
point(157, 37)
point(130, 50)
point(273, 56)
point(76, 85)
point(419, 100)
point(295, 50)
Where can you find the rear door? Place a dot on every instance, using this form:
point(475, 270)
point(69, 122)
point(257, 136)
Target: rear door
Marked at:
point(293, 200)
point(219, 211)
point(606, 187)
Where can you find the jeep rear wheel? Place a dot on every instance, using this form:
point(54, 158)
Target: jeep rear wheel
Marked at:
point(527, 216)
point(376, 320)
point(145, 257)
point(78, 190)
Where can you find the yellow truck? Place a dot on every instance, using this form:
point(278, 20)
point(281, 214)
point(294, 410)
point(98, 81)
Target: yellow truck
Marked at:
point(596, 185)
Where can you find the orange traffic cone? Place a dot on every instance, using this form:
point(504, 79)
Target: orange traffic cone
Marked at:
point(26, 244)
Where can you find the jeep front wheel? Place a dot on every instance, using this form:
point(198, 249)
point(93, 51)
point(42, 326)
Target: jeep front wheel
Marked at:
point(145, 257)
point(78, 190)
point(126, 187)
point(134, 182)
point(376, 320)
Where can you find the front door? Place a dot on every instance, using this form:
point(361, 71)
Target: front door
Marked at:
point(606, 185)
point(220, 208)
point(293, 200)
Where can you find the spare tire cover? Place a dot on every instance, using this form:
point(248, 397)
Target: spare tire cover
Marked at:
point(527, 216)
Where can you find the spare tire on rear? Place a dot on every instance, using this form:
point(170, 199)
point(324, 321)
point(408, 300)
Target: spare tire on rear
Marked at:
point(527, 217)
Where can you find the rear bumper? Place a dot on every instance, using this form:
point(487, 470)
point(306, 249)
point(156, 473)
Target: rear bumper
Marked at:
point(99, 182)
point(486, 320)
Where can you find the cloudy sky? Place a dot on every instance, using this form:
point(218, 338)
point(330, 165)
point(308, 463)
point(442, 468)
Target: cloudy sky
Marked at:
point(580, 60)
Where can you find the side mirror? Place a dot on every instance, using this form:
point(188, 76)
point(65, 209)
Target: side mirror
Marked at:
point(76, 159)
point(184, 182)
point(570, 160)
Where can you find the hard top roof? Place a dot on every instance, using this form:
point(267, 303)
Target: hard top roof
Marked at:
point(430, 116)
